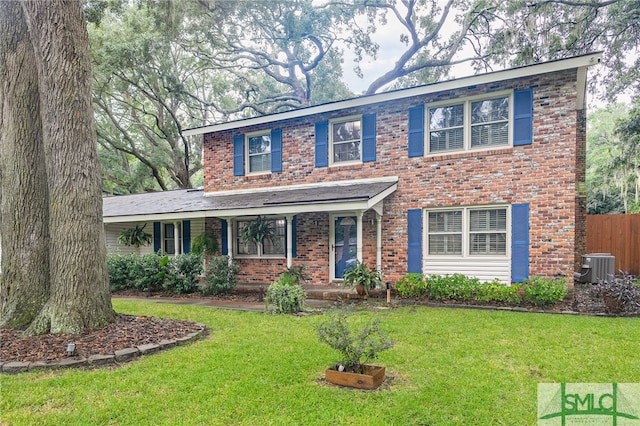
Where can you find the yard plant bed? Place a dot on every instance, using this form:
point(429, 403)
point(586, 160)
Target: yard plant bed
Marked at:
point(128, 331)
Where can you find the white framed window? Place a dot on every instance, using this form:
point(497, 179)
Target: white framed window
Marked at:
point(474, 123)
point(171, 232)
point(345, 140)
point(274, 247)
point(258, 152)
point(467, 231)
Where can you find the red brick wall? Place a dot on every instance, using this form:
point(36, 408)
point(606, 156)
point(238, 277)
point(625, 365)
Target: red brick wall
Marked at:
point(544, 174)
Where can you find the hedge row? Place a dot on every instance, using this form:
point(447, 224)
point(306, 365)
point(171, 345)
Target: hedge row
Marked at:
point(536, 290)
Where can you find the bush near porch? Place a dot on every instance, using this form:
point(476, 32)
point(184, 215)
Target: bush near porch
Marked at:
point(179, 274)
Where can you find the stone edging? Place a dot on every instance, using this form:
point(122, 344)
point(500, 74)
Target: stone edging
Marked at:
point(96, 361)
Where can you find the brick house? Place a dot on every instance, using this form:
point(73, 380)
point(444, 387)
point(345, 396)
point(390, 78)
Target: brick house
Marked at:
point(482, 175)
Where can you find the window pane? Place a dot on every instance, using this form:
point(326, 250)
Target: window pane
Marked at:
point(445, 140)
point(349, 151)
point(490, 110)
point(445, 117)
point(445, 221)
point(260, 163)
point(259, 144)
point(440, 244)
point(346, 131)
point(488, 244)
point(346, 139)
point(488, 220)
point(242, 247)
point(259, 153)
point(490, 134)
point(277, 245)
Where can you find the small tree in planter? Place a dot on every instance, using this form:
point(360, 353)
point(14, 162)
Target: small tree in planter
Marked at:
point(362, 278)
point(356, 347)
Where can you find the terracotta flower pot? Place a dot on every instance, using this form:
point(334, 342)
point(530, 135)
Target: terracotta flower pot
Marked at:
point(372, 377)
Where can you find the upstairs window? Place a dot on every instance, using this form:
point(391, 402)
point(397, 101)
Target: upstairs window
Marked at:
point(259, 153)
point(470, 124)
point(346, 140)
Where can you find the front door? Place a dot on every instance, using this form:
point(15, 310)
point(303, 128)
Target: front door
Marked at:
point(344, 247)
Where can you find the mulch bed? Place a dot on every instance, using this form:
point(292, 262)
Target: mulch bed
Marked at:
point(126, 332)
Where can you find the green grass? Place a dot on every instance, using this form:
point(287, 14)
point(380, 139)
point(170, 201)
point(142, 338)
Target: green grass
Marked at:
point(449, 366)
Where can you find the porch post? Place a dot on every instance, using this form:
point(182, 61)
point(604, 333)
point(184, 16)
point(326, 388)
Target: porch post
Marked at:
point(289, 220)
point(359, 235)
point(229, 240)
point(177, 237)
point(378, 242)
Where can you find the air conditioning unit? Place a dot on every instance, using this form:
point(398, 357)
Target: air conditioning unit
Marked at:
point(597, 266)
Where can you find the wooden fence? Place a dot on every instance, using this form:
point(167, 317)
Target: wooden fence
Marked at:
point(618, 234)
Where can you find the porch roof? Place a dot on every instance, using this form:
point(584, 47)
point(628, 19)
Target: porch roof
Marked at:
point(356, 195)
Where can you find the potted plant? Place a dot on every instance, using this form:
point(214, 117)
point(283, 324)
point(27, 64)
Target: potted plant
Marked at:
point(362, 278)
point(356, 347)
point(135, 237)
point(256, 231)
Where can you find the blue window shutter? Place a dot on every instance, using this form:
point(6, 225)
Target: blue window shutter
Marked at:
point(186, 236)
point(276, 150)
point(369, 137)
point(224, 237)
point(238, 155)
point(522, 117)
point(157, 237)
point(416, 131)
point(519, 242)
point(414, 236)
point(322, 144)
point(293, 236)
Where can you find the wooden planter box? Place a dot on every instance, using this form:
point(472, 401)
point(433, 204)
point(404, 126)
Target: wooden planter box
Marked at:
point(372, 378)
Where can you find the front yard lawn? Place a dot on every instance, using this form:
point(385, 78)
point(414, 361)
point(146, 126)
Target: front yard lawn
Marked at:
point(448, 366)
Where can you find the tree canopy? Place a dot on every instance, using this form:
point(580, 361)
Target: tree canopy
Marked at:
point(162, 66)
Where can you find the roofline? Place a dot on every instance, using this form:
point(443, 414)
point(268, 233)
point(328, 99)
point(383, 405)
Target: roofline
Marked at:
point(491, 77)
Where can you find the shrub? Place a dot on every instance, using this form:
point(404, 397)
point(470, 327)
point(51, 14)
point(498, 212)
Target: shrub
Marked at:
point(620, 294)
point(450, 287)
point(356, 345)
point(119, 267)
point(182, 273)
point(544, 291)
point(148, 272)
point(298, 273)
point(412, 285)
point(286, 296)
point(204, 245)
point(497, 292)
point(220, 276)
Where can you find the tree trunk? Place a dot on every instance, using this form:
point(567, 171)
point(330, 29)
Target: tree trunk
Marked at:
point(24, 202)
point(79, 294)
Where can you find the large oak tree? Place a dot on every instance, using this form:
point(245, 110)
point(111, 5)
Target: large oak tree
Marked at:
point(53, 258)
